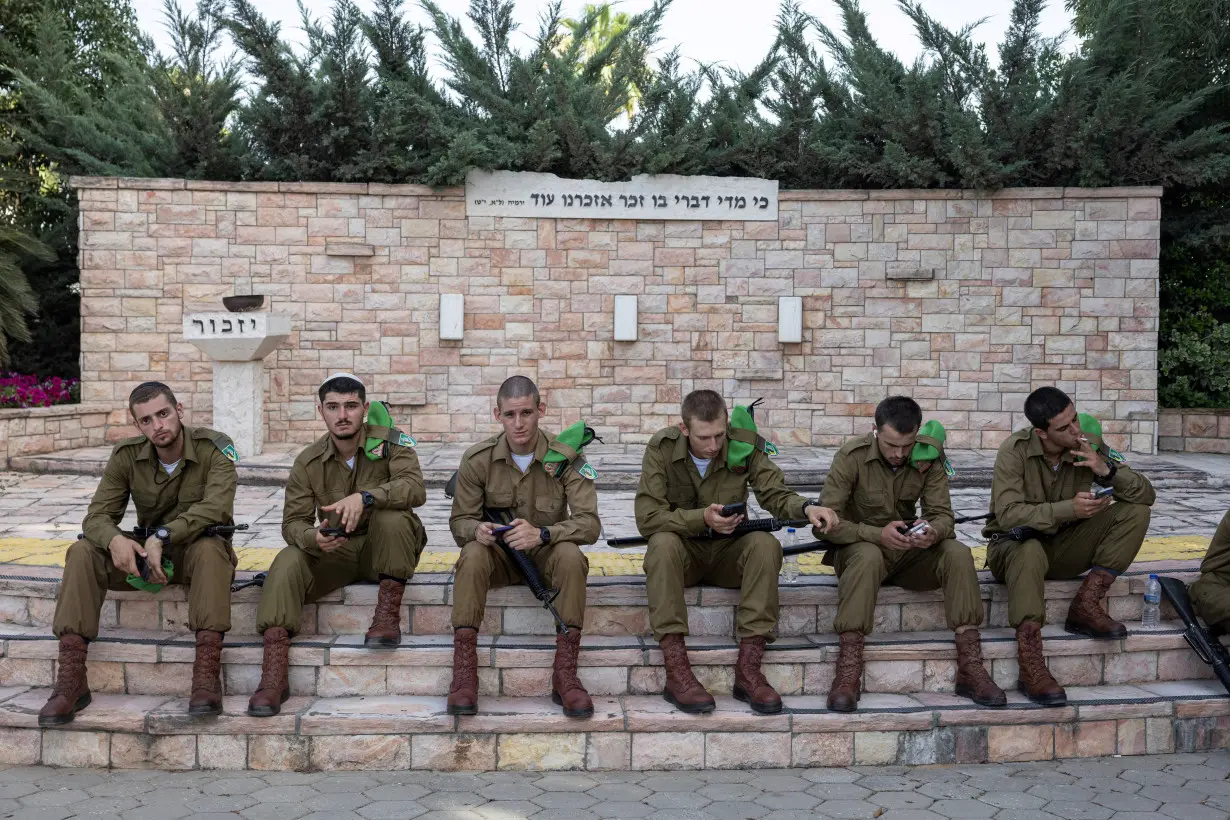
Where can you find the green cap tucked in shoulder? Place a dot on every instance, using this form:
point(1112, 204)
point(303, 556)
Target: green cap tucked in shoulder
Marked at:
point(665, 434)
point(221, 440)
point(566, 450)
point(929, 446)
point(744, 439)
point(1092, 428)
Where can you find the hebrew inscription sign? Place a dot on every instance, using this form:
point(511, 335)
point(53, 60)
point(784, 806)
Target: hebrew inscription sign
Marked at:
point(658, 196)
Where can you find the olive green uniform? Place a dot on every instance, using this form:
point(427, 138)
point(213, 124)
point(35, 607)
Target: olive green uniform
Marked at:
point(868, 494)
point(1027, 492)
point(387, 541)
point(198, 493)
point(1211, 594)
point(567, 506)
point(670, 512)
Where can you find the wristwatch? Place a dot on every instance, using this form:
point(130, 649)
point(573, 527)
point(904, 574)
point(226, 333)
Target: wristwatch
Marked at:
point(368, 499)
point(544, 535)
point(809, 503)
point(163, 535)
point(1105, 480)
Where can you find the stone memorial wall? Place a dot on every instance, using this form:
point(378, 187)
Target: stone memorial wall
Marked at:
point(965, 300)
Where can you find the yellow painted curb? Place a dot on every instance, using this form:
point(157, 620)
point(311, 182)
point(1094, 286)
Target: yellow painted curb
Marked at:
point(47, 553)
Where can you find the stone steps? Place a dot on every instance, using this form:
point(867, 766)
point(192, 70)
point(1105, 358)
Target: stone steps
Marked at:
point(616, 605)
point(630, 732)
point(159, 663)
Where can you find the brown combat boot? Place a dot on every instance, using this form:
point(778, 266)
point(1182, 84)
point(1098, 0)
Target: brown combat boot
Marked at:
point(385, 631)
point(847, 683)
point(973, 682)
point(1035, 680)
point(682, 690)
point(463, 694)
point(566, 688)
point(274, 688)
point(71, 692)
point(207, 675)
point(1086, 615)
point(751, 687)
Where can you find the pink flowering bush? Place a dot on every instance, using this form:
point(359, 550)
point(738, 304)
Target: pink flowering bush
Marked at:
point(18, 390)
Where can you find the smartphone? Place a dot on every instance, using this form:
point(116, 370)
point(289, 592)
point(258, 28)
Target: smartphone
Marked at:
point(734, 509)
point(335, 532)
point(142, 568)
point(503, 529)
point(917, 529)
point(1102, 492)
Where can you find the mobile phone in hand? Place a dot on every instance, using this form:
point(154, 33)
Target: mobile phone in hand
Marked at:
point(918, 529)
point(503, 529)
point(734, 509)
point(1103, 492)
point(333, 532)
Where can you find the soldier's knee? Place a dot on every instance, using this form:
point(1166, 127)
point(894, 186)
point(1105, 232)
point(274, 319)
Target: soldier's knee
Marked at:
point(475, 559)
point(862, 556)
point(290, 561)
point(664, 549)
point(568, 559)
point(391, 524)
point(210, 550)
point(1028, 558)
point(762, 547)
point(80, 555)
point(1137, 513)
point(953, 553)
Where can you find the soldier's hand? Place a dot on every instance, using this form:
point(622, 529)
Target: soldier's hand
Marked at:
point(328, 543)
point(725, 524)
point(349, 510)
point(153, 558)
point(523, 535)
point(894, 540)
point(483, 534)
point(1086, 456)
point(1086, 506)
point(124, 552)
point(926, 539)
point(822, 518)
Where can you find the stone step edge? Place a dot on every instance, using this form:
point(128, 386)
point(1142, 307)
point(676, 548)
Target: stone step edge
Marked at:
point(131, 646)
point(638, 733)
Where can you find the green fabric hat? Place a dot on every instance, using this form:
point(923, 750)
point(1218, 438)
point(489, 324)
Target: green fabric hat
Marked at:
point(738, 451)
point(933, 431)
point(378, 415)
point(567, 446)
point(137, 582)
point(1092, 427)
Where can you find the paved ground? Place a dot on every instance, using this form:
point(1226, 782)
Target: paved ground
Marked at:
point(1188, 786)
point(40, 513)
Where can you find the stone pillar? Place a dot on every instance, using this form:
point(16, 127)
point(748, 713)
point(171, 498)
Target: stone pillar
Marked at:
point(238, 343)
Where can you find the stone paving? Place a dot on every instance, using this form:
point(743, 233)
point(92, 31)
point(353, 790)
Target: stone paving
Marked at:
point(53, 506)
point(1186, 786)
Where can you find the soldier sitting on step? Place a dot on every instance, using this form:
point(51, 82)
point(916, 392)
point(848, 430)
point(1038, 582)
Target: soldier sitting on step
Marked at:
point(688, 474)
point(1046, 523)
point(1211, 593)
point(181, 480)
point(875, 483)
point(362, 482)
point(552, 509)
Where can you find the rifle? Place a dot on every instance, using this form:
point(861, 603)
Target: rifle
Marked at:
point(141, 534)
point(526, 567)
point(751, 525)
point(257, 580)
point(1207, 648)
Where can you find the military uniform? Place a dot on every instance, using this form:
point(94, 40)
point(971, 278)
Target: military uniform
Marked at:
point(388, 540)
point(198, 493)
point(1211, 593)
point(867, 494)
point(567, 506)
point(670, 510)
point(1027, 492)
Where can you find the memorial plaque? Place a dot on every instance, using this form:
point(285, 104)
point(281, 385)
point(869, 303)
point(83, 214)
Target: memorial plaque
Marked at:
point(656, 196)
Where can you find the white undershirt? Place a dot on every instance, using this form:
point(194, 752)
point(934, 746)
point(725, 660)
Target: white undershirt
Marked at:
point(523, 462)
point(350, 462)
point(702, 464)
point(170, 468)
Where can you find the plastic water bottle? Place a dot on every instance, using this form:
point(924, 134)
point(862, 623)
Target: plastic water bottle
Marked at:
point(790, 563)
point(1153, 603)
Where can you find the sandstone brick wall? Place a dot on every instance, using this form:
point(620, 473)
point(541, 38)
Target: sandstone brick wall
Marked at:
point(1030, 287)
point(38, 430)
point(1194, 431)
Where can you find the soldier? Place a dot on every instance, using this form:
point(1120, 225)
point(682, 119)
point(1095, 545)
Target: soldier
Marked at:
point(181, 480)
point(1045, 523)
point(553, 509)
point(875, 484)
point(1211, 593)
point(365, 480)
point(688, 474)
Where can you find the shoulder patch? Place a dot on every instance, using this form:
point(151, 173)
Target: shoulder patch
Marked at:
point(766, 446)
point(948, 470)
point(395, 436)
point(587, 471)
point(223, 442)
point(1115, 456)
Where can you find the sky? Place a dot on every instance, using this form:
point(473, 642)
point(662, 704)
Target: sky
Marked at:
point(737, 33)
